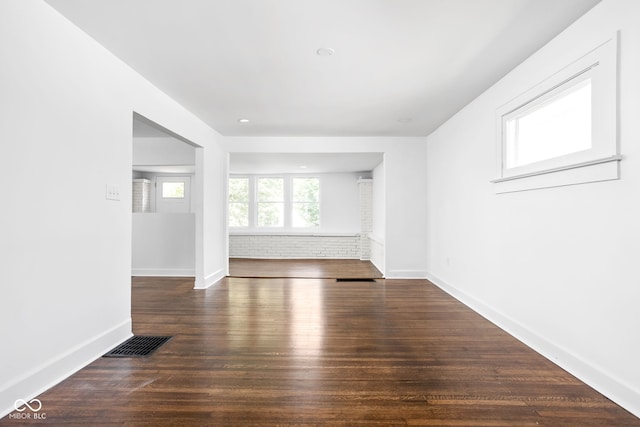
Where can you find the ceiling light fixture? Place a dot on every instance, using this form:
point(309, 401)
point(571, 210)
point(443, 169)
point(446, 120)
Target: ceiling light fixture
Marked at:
point(243, 120)
point(325, 51)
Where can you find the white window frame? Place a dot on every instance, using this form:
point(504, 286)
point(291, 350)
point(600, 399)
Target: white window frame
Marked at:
point(288, 204)
point(291, 201)
point(598, 163)
point(173, 204)
point(250, 197)
point(256, 202)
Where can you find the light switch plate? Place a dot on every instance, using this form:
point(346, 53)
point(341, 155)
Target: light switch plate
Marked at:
point(113, 192)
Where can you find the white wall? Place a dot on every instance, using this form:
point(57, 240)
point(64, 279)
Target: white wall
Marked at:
point(404, 184)
point(162, 151)
point(555, 267)
point(66, 126)
point(339, 203)
point(378, 205)
point(163, 244)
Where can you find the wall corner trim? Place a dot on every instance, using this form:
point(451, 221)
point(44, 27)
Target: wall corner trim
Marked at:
point(615, 389)
point(210, 280)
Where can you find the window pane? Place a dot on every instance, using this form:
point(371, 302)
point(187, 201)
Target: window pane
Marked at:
point(238, 214)
point(558, 126)
point(270, 214)
point(306, 215)
point(173, 190)
point(238, 202)
point(270, 190)
point(306, 190)
point(239, 189)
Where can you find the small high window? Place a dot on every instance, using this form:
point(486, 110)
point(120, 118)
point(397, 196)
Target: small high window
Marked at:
point(553, 126)
point(566, 122)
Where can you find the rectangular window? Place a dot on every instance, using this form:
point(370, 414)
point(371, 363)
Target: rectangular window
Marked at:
point(305, 210)
point(173, 190)
point(552, 126)
point(565, 123)
point(270, 202)
point(287, 202)
point(238, 202)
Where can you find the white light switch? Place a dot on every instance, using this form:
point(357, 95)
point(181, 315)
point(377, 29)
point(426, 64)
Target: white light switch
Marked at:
point(113, 192)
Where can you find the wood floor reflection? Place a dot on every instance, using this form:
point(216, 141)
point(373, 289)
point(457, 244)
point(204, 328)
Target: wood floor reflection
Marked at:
point(302, 268)
point(308, 352)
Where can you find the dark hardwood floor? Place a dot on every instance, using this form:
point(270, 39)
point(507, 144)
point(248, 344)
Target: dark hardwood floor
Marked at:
point(309, 268)
point(314, 352)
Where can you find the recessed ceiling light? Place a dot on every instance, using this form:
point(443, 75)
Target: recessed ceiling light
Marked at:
point(325, 51)
point(243, 120)
point(405, 120)
point(303, 166)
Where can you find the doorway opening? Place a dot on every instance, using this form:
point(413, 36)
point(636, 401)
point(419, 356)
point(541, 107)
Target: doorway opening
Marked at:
point(339, 192)
point(163, 209)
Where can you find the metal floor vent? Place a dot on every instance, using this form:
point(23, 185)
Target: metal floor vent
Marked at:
point(355, 279)
point(137, 346)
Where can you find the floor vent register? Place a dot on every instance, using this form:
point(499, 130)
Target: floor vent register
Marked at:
point(138, 346)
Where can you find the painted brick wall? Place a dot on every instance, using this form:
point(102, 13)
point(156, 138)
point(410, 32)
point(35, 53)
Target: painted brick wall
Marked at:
point(141, 195)
point(356, 246)
point(294, 246)
point(365, 187)
point(377, 253)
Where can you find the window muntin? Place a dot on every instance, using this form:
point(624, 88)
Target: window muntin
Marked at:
point(238, 202)
point(270, 202)
point(305, 202)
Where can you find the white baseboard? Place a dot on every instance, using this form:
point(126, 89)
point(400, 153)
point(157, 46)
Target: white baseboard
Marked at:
point(615, 389)
point(48, 374)
point(211, 279)
point(406, 274)
point(163, 272)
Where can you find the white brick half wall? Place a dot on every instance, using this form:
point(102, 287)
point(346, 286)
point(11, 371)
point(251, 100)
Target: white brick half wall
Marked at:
point(294, 246)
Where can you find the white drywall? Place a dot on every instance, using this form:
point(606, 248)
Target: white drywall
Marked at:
point(66, 117)
point(162, 151)
point(163, 244)
point(378, 204)
point(339, 203)
point(555, 267)
point(404, 188)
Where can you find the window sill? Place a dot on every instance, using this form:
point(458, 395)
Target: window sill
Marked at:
point(605, 169)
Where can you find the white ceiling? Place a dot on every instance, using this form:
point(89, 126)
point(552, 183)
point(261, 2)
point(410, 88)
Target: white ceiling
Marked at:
point(304, 163)
point(420, 60)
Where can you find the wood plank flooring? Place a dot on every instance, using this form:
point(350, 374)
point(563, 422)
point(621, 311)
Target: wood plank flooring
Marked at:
point(309, 268)
point(314, 352)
